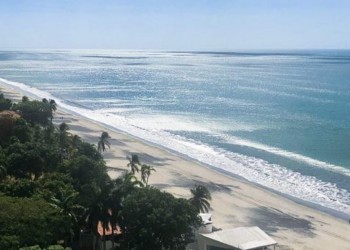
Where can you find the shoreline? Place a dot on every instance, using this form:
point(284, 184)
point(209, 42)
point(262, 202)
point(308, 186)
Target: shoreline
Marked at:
point(330, 211)
point(236, 201)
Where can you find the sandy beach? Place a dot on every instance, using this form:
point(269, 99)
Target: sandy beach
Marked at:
point(235, 202)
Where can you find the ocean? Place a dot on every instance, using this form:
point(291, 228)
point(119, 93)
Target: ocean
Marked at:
point(280, 119)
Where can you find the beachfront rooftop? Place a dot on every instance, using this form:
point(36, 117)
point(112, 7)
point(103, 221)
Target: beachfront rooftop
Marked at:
point(244, 238)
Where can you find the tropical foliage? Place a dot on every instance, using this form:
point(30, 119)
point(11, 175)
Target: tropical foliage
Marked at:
point(31, 221)
point(35, 112)
point(103, 142)
point(200, 198)
point(134, 163)
point(156, 220)
point(53, 185)
point(146, 171)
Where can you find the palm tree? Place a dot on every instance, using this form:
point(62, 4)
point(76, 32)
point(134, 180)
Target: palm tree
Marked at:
point(68, 206)
point(200, 199)
point(130, 180)
point(63, 134)
point(146, 171)
point(134, 162)
point(125, 184)
point(51, 104)
point(100, 213)
point(103, 142)
point(116, 207)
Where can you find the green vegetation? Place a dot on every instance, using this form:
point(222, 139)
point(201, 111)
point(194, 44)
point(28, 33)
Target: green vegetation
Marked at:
point(134, 163)
point(200, 198)
point(31, 221)
point(155, 220)
point(103, 142)
point(146, 171)
point(35, 112)
point(53, 186)
point(5, 103)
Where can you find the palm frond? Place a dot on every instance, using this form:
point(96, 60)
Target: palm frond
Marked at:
point(200, 198)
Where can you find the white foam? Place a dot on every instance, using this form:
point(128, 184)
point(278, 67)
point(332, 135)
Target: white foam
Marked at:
point(116, 110)
point(287, 154)
point(256, 170)
point(102, 100)
point(33, 92)
point(253, 169)
point(182, 122)
point(159, 122)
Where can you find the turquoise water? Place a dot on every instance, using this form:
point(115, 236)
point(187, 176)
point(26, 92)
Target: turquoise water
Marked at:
point(279, 119)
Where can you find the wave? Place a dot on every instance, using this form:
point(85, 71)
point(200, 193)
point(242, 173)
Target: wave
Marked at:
point(253, 169)
point(286, 154)
point(116, 110)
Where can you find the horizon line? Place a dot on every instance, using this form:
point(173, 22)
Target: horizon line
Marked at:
point(179, 50)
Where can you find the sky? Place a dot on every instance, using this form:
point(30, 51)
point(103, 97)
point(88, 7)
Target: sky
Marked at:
point(175, 24)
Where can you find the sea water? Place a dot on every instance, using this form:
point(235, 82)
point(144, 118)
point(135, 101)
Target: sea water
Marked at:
point(280, 119)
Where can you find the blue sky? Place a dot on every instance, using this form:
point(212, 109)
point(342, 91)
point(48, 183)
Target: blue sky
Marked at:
point(175, 24)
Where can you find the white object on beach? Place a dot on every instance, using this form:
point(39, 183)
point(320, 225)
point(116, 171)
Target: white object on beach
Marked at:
point(207, 224)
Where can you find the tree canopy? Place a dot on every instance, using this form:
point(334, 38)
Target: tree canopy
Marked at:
point(30, 221)
point(53, 185)
point(35, 111)
point(153, 219)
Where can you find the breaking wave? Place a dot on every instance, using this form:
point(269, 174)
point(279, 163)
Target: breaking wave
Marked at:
point(253, 169)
